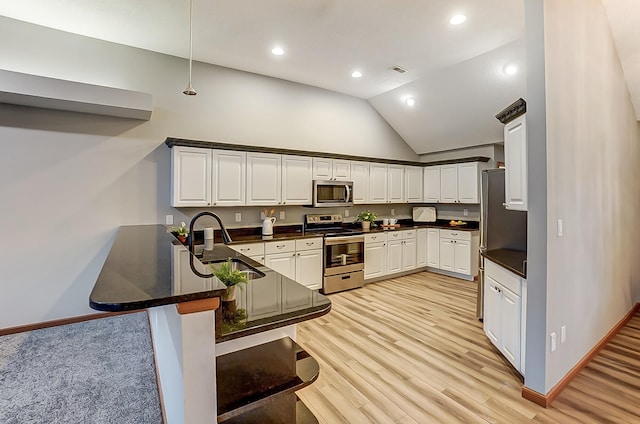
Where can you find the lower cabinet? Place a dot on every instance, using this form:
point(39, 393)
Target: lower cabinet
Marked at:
point(375, 255)
point(401, 251)
point(433, 247)
point(458, 251)
point(309, 268)
point(421, 248)
point(504, 312)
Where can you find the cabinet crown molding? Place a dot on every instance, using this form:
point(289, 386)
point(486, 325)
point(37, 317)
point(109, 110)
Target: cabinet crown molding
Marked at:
point(511, 112)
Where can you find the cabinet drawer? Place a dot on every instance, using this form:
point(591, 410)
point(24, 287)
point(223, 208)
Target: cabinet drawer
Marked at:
point(375, 238)
point(309, 244)
point(508, 279)
point(456, 234)
point(394, 235)
point(249, 249)
point(409, 234)
point(279, 246)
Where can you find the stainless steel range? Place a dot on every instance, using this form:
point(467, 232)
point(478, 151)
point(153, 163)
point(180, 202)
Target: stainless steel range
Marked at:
point(343, 252)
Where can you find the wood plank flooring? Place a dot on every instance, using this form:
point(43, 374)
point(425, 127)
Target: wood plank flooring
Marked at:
point(410, 350)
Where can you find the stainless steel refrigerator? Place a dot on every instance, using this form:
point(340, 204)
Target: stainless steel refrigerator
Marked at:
point(500, 228)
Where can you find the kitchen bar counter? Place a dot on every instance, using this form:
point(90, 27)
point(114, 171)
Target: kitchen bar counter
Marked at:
point(513, 260)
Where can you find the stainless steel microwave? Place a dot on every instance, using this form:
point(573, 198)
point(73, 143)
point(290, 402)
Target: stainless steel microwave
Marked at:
point(332, 193)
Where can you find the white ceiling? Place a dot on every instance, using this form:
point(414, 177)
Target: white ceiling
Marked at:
point(454, 72)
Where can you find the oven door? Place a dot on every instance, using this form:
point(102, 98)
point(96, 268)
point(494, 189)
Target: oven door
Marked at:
point(332, 193)
point(343, 254)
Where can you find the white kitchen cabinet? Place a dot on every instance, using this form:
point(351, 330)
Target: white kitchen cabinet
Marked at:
point(309, 264)
point(433, 247)
point(459, 183)
point(458, 251)
point(331, 169)
point(395, 184)
point(505, 312)
point(431, 184)
point(360, 178)
point(413, 180)
point(297, 180)
point(378, 183)
point(421, 248)
point(295, 297)
point(375, 255)
point(394, 256)
point(515, 158)
point(401, 251)
point(409, 254)
point(191, 176)
point(283, 263)
point(264, 179)
point(229, 177)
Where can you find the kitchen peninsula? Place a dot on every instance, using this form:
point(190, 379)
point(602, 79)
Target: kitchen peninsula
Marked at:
point(189, 331)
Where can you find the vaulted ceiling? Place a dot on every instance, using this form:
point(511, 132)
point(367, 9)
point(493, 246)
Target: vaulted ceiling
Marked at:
point(455, 73)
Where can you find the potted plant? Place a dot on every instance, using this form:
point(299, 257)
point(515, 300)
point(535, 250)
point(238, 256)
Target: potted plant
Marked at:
point(181, 232)
point(367, 218)
point(230, 277)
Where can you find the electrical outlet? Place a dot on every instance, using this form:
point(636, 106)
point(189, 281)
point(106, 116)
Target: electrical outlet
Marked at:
point(563, 334)
point(346, 213)
point(560, 230)
point(553, 342)
point(238, 217)
point(262, 216)
point(168, 219)
point(465, 212)
point(393, 212)
point(281, 215)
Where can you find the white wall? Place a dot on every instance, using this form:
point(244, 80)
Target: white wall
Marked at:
point(593, 172)
point(493, 151)
point(70, 180)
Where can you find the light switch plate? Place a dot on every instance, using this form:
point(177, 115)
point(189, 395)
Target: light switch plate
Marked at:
point(168, 219)
point(238, 217)
point(281, 215)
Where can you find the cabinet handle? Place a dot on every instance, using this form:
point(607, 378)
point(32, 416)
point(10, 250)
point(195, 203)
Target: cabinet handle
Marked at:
point(294, 255)
point(298, 254)
point(214, 203)
point(284, 203)
point(280, 246)
point(309, 243)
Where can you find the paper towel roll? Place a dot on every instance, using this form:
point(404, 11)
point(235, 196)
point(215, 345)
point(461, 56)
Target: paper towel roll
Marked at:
point(208, 233)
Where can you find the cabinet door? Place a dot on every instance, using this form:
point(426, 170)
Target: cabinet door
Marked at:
point(341, 170)
point(283, 263)
point(413, 184)
point(360, 178)
point(395, 184)
point(295, 296)
point(510, 330)
point(191, 176)
point(447, 254)
point(515, 154)
point(296, 180)
point(375, 259)
point(394, 256)
point(432, 184)
point(449, 183)
point(309, 268)
point(462, 257)
point(408, 254)
point(322, 169)
point(229, 176)
point(468, 186)
point(492, 315)
point(433, 248)
point(421, 248)
point(377, 183)
point(263, 179)
point(264, 297)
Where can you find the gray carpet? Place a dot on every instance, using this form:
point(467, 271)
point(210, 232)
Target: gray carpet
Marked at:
point(99, 371)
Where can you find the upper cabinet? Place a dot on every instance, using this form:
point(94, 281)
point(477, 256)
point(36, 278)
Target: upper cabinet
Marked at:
point(413, 184)
point(229, 170)
point(432, 184)
point(264, 176)
point(296, 180)
point(395, 184)
point(459, 183)
point(360, 178)
point(515, 157)
point(331, 169)
point(377, 183)
point(191, 181)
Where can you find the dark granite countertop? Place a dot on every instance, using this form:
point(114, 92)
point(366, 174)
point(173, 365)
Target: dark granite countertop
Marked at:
point(513, 260)
point(139, 273)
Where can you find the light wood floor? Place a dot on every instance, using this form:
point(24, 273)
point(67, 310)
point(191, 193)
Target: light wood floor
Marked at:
point(410, 350)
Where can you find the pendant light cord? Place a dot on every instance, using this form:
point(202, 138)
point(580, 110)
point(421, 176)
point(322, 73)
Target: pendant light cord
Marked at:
point(190, 91)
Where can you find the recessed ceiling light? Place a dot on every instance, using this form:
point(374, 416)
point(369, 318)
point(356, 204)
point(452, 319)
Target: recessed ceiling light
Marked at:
point(410, 101)
point(356, 74)
point(511, 69)
point(457, 19)
point(278, 51)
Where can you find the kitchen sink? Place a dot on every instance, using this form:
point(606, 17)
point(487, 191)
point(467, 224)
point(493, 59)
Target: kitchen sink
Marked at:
point(239, 265)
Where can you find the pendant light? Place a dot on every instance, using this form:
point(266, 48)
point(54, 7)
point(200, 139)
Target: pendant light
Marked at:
point(189, 91)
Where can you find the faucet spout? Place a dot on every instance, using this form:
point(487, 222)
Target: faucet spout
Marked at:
point(226, 238)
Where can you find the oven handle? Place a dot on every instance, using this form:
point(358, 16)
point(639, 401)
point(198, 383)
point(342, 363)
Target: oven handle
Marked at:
point(347, 194)
point(329, 241)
